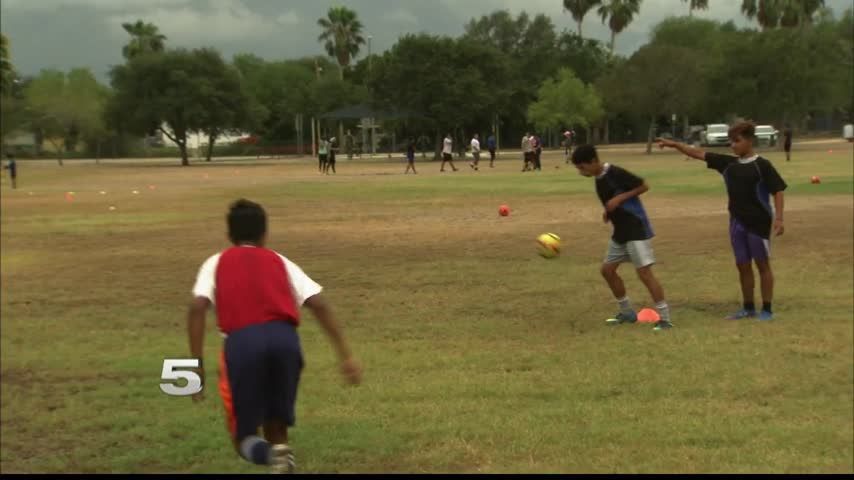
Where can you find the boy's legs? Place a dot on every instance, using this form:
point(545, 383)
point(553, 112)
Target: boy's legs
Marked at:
point(617, 254)
point(643, 258)
point(766, 282)
point(258, 389)
point(286, 363)
point(241, 385)
point(747, 247)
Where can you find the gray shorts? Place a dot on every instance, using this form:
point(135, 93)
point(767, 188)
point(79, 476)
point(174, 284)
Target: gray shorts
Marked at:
point(639, 252)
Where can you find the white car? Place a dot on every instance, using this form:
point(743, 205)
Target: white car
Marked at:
point(715, 135)
point(766, 134)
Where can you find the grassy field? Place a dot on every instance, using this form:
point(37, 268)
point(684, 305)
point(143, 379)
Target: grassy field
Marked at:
point(479, 356)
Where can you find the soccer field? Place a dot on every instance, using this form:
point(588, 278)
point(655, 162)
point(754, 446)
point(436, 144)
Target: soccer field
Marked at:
point(479, 356)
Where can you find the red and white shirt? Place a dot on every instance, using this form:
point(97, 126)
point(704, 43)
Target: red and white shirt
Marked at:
point(250, 285)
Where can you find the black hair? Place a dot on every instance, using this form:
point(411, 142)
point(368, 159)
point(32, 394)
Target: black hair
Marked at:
point(584, 154)
point(745, 130)
point(247, 222)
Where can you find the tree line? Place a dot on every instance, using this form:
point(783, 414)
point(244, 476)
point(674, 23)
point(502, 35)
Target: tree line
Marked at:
point(505, 73)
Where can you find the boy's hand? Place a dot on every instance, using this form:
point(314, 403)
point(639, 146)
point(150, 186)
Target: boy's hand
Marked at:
point(663, 142)
point(352, 371)
point(613, 204)
point(778, 227)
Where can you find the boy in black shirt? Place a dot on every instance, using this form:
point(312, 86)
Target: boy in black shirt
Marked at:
point(618, 190)
point(750, 181)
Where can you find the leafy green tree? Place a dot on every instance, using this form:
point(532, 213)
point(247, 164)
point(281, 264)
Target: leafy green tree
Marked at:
point(66, 107)
point(177, 92)
point(145, 38)
point(565, 100)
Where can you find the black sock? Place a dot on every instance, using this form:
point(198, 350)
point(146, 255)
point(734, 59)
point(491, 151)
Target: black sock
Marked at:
point(749, 306)
point(256, 450)
point(766, 306)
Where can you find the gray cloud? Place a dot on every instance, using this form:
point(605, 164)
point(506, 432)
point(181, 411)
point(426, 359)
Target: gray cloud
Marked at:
point(70, 33)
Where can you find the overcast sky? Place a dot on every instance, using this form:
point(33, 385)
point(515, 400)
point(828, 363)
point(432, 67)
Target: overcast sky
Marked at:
point(87, 33)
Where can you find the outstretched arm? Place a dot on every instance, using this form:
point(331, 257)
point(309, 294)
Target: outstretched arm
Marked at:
point(323, 312)
point(686, 149)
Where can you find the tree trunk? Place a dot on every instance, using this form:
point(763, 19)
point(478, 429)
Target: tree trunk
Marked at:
point(613, 41)
point(313, 139)
point(438, 145)
point(579, 27)
point(650, 134)
point(98, 152)
point(59, 151)
point(341, 72)
point(183, 147)
point(607, 131)
point(211, 140)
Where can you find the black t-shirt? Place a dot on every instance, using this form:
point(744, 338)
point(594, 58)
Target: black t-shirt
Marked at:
point(749, 185)
point(629, 219)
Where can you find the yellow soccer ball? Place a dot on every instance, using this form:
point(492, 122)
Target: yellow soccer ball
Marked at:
point(548, 245)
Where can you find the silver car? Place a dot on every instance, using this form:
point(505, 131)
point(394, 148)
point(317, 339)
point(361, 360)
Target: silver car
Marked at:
point(766, 135)
point(716, 135)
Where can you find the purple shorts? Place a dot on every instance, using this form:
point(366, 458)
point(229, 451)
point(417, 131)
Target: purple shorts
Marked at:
point(747, 245)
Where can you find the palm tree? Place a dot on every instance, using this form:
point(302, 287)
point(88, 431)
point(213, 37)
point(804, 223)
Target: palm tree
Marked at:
point(766, 12)
point(6, 71)
point(696, 5)
point(619, 14)
point(579, 8)
point(342, 32)
point(798, 13)
point(145, 38)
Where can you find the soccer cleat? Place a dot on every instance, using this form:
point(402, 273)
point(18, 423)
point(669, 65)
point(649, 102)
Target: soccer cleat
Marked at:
point(281, 459)
point(765, 315)
point(741, 314)
point(621, 318)
point(662, 325)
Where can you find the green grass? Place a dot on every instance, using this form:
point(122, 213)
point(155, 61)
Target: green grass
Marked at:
point(479, 356)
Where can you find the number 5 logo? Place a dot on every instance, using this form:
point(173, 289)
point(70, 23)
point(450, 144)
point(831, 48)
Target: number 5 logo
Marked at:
point(194, 382)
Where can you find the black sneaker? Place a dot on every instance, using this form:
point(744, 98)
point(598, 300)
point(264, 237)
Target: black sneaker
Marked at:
point(662, 325)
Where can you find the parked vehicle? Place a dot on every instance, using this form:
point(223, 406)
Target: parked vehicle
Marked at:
point(766, 135)
point(715, 135)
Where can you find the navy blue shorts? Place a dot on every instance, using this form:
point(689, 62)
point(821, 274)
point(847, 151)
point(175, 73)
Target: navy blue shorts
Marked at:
point(259, 372)
point(747, 245)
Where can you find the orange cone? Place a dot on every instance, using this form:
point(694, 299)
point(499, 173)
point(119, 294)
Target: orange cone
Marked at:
point(648, 315)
